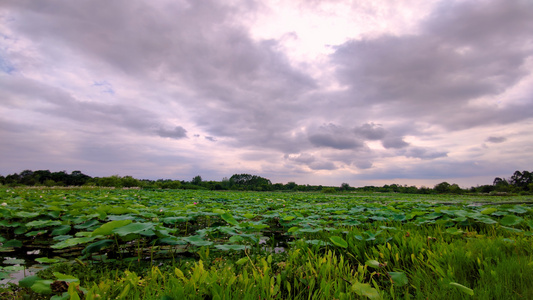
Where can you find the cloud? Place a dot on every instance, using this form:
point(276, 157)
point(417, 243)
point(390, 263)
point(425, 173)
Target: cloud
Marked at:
point(423, 153)
point(91, 80)
point(300, 158)
point(371, 131)
point(176, 133)
point(496, 139)
point(462, 52)
point(394, 142)
point(335, 137)
point(324, 165)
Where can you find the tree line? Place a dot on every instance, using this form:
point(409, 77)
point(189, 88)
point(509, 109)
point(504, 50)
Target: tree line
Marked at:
point(519, 182)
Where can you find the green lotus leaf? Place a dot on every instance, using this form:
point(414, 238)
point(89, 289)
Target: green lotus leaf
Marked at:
point(122, 211)
point(46, 260)
point(518, 210)
point(373, 263)
point(174, 220)
point(12, 244)
point(338, 241)
point(488, 211)
point(364, 289)
point(219, 211)
point(197, 240)
point(87, 224)
point(229, 218)
point(133, 228)
point(24, 214)
point(454, 231)
point(399, 278)
point(28, 281)
point(14, 261)
point(61, 230)
point(72, 242)
point(42, 287)
point(511, 220)
point(96, 246)
point(107, 228)
point(41, 224)
point(231, 247)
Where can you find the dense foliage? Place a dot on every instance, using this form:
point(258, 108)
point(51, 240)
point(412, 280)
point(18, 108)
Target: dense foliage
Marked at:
point(97, 243)
point(519, 182)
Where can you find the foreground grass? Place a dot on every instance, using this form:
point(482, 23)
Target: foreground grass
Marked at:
point(128, 244)
point(415, 262)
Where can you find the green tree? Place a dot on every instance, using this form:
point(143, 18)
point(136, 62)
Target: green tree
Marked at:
point(442, 187)
point(197, 180)
point(344, 187)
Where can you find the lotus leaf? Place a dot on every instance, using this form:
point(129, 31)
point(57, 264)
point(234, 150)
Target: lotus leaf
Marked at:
point(132, 228)
point(338, 241)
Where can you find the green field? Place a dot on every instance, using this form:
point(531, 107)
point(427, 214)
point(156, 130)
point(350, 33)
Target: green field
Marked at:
point(179, 244)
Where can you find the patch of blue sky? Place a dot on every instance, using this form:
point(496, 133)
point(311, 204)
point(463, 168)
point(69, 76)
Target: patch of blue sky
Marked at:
point(6, 66)
point(104, 86)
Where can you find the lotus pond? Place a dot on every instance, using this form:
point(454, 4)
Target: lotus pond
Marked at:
point(93, 243)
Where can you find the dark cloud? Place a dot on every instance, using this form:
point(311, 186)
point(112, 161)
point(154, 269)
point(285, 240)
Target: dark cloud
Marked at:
point(371, 131)
point(464, 51)
point(363, 164)
point(176, 133)
point(394, 142)
point(332, 141)
point(323, 165)
point(496, 139)
point(335, 137)
point(423, 153)
point(210, 138)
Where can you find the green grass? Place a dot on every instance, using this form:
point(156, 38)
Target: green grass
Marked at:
point(134, 244)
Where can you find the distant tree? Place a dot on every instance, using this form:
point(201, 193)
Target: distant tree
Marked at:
point(78, 178)
point(329, 190)
point(250, 182)
point(197, 180)
point(61, 178)
point(501, 185)
point(42, 176)
point(455, 189)
point(442, 187)
point(521, 180)
point(128, 181)
point(291, 185)
point(26, 178)
point(344, 187)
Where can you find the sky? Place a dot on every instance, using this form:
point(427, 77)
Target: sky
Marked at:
point(412, 92)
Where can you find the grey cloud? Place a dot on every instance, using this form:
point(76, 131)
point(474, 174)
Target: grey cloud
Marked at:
point(332, 141)
point(210, 138)
point(394, 142)
point(176, 133)
point(423, 153)
point(371, 131)
point(463, 51)
point(243, 89)
point(335, 137)
point(58, 103)
point(363, 164)
point(300, 158)
point(496, 139)
point(323, 165)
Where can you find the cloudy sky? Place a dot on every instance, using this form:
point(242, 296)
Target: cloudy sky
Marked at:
point(318, 92)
